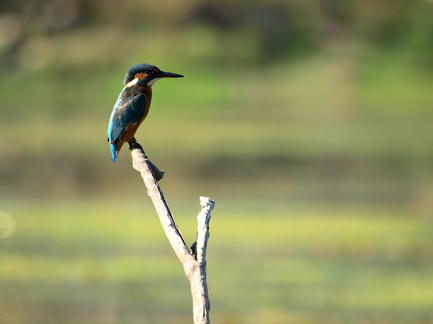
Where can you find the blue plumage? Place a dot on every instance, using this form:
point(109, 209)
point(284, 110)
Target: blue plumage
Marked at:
point(133, 103)
point(129, 108)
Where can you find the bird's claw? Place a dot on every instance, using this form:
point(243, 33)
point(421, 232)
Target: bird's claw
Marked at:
point(134, 144)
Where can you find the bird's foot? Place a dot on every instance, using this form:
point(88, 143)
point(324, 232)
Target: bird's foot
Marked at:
point(134, 144)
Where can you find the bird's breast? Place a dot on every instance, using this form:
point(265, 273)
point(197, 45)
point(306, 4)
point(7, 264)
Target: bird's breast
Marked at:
point(147, 91)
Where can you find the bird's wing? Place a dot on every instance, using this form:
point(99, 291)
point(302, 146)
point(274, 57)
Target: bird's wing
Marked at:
point(128, 110)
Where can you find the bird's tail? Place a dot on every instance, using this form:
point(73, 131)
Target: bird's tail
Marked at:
point(114, 151)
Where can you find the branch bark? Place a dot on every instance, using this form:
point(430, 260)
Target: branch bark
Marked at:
point(194, 264)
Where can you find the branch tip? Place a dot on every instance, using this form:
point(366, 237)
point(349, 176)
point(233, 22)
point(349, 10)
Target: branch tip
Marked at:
point(206, 201)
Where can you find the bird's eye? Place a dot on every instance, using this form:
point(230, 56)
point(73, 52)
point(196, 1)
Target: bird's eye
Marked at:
point(151, 73)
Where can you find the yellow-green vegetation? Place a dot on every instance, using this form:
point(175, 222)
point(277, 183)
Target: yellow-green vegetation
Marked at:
point(89, 261)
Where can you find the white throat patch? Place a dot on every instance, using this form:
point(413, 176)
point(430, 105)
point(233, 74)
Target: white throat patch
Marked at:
point(151, 83)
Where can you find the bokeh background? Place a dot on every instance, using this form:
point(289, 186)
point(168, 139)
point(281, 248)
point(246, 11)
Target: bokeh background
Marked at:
point(308, 121)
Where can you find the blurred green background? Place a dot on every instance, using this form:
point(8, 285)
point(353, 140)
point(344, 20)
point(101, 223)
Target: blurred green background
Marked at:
point(308, 121)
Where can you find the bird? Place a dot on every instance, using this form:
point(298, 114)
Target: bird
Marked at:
point(133, 104)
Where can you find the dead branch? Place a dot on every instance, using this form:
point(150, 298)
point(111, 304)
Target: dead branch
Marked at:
point(194, 264)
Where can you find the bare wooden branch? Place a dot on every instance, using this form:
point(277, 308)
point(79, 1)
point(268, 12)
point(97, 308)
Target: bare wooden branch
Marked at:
point(194, 264)
point(198, 281)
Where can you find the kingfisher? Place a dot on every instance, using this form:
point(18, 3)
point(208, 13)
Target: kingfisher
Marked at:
point(133, 104)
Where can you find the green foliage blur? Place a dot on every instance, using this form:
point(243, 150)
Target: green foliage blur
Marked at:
point(309, 122)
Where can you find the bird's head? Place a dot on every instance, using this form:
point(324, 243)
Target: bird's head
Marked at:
point(146, 74)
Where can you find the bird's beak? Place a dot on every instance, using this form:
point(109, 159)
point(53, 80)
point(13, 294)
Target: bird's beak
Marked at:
point(169, 75)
